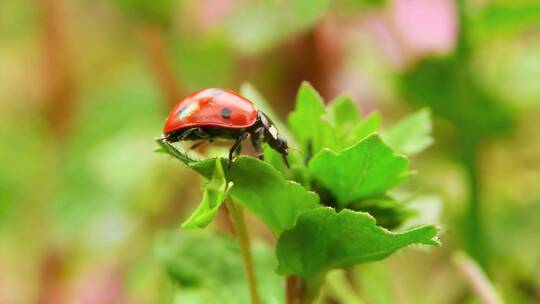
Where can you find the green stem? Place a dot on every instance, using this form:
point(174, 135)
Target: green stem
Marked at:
point(474, 236)
point(341, 289)
point(236, 214)
point(474, 232)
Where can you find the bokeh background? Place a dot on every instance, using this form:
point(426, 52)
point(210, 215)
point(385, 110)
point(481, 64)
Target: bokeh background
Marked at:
point(85, 86)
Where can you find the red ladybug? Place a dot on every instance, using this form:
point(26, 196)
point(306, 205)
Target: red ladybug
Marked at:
point(210, 114)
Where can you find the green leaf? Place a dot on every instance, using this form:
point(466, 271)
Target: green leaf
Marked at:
point(411, 134)
point(208, 268)
point(214, 193)
point(367, 126)
point(323, 240)
point(308, 121)
point(262, 189)
point(344, 115)
point(257, 186)
point(364, 170)
point(165, 147)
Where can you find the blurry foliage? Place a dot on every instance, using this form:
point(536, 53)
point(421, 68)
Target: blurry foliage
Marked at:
point(264, 24)
point(451, 91)
point(208, 269)
point(202, 61)
point(503, 18)
point(24, 161)
point(101, 174)
point(512, 78)
point(154, 11)
point(357, 5)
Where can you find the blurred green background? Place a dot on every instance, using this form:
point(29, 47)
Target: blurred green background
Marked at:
point(85, 86)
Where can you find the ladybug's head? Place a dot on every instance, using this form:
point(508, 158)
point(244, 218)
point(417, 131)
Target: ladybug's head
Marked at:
point(275, 140)
point(280, 145)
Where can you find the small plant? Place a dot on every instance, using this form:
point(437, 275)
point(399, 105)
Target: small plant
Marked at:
point(332, 209)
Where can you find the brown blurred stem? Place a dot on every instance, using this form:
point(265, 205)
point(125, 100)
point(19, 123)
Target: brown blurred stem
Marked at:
point(476, 279)
point(237, 217)
point(291, 290)
point(58, 78)
point(156, 50)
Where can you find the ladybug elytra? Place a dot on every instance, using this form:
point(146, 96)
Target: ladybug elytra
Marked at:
point(212, 113)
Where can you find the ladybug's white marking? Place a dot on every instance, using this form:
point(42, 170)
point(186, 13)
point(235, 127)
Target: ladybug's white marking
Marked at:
point(186, 112)
point(215, 93)
point(273, 131)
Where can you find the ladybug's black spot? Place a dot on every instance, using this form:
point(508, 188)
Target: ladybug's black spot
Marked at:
point(226, 113)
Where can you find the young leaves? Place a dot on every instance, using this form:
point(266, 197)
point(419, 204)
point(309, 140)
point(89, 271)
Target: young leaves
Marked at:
point(214, 193)
point(336, 126)
point(262, 189)
point(311, 128)
point(364, 170)
point(411, 134)
point(323, 240)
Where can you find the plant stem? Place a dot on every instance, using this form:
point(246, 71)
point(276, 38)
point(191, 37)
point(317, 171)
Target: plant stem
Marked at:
point(477, 279)
point(341, 289)
point(160, 63)
point(474, 233)
point(291, 290)
point(58, 76)
point(237, 217)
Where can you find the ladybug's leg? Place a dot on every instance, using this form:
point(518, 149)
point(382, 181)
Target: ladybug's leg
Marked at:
point(202, 134)
point(235, 146)
point(186, 134)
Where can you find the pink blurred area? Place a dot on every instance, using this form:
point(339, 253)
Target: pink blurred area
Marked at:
point(394, 37)
point(418, 28)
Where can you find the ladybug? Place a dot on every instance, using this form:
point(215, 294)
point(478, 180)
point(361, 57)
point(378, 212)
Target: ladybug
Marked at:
point(212, 114)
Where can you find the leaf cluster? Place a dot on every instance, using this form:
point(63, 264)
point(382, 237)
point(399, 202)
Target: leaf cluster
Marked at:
point(327, 210)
